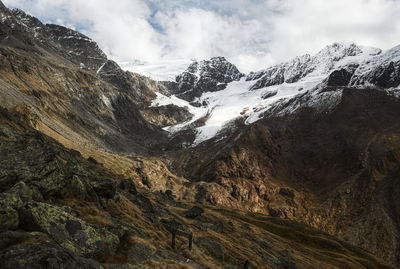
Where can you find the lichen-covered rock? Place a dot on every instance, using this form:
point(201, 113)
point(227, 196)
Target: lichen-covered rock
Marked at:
point(22, 190)
point(9, 219)
point(70, 232)
point(10, 200)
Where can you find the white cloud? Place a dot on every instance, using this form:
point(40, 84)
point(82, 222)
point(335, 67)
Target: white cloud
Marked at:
point(307, 26)
point(250, 33)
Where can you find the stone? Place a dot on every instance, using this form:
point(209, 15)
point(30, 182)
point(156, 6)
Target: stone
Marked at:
point(67, 230)
point(128, 185)
point(194, 212)
point(105, 188)
point(22, 190)
point(340, 77)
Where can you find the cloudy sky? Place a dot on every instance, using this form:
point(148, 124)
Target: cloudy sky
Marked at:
point(251, 33)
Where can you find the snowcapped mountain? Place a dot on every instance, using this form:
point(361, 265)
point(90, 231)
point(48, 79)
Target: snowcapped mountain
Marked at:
point(206, 76)
point(215, 92)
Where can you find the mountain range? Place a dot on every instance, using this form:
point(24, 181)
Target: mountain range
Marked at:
point(293, 166)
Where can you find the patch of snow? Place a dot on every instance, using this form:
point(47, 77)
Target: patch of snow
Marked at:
point(107, 101)
point(101, 67)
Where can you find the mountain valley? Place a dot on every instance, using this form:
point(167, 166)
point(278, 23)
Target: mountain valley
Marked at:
point(293, 166)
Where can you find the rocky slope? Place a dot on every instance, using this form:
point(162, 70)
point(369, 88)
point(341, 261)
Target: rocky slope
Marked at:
point(60, 210)
point(66, 86)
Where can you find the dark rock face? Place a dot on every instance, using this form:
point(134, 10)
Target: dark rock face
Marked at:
point(194, 212)
point(385, 76)
point(206, 76)
point(166, 115)
point(341, 77)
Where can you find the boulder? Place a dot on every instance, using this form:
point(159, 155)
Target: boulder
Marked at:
point(68, 231)
point(128, 186)
point(194, 212)
point(105, 188)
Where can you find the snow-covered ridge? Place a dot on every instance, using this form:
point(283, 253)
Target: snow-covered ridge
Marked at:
point(250, 97)
point(329, 58)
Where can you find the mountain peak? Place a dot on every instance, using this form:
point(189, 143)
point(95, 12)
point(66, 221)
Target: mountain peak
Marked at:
point(206, 76)
point(338, 51)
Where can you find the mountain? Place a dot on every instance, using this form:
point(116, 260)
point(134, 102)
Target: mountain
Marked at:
point(252, 95)
point(294, 166)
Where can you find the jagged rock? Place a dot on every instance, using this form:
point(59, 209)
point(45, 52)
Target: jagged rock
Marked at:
point(269, 94)
point(68, 231)
point(206, 76)
point(341, 77)
point(43, 255)
point(168, 115)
